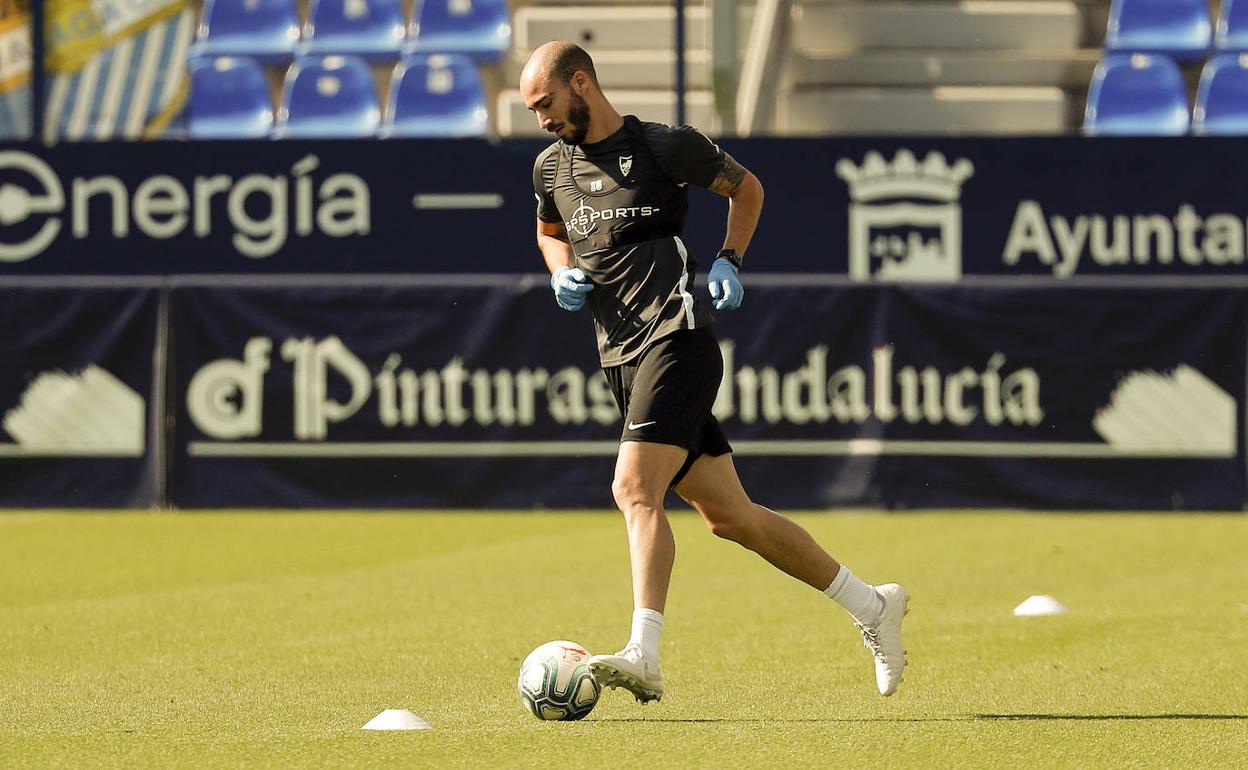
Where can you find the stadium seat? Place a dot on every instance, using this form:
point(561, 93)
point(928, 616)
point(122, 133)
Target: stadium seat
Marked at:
point(264, 29)
point(373, 29)
point(229, 99)
point(477, 28)
point(435, 96)
point(328, 97)
point(1177, 28)
point(1136, 95)
point(1222, 97)
point(1231, 31)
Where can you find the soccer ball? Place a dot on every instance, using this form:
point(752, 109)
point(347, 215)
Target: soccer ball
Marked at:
point(555, 682)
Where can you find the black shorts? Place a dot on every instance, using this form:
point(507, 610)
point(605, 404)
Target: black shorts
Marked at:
point(666, 395)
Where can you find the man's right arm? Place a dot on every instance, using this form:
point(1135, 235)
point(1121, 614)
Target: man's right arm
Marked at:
point(552, 236)
point(552, 241)
point(568, 281)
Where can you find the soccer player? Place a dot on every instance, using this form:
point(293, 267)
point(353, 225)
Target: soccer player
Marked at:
point(611, 204)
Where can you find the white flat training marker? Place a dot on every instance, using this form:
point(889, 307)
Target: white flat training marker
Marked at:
point(397, 719)
point(1040, 605)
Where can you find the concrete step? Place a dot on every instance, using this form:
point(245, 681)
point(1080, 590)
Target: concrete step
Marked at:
point(970, 24)
point(890, 24)
point(634, 68)
point(602, 27)
point(1070, 69)
point(514, 119)
point(941, 110)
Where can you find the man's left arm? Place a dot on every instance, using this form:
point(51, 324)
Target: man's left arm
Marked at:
point(745, 204)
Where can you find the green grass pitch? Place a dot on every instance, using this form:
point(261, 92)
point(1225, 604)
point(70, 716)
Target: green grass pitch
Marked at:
point(262, 639)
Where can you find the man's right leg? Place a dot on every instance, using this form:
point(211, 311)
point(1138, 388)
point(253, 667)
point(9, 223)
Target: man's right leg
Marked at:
point(714, 490)
point(643, 472)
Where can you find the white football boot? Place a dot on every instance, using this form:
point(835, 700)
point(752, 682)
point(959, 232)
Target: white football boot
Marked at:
point(629, 668)
point(883, 638)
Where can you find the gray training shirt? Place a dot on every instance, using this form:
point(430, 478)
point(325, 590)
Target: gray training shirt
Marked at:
point(623, 201)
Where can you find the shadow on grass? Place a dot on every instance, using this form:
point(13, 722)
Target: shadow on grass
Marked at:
point(1098, 717)
point(960, 718)
point(730, 720)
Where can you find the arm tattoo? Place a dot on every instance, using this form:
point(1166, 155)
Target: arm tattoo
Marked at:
point(729, 178)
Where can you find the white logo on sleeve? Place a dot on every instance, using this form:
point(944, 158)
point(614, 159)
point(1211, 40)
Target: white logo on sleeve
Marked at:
point(636, 425)
point(893, 236)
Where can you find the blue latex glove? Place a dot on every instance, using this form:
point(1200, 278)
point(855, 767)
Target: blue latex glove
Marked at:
point(725, 287)
point(570, 285)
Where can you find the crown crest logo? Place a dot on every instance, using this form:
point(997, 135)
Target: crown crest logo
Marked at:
point(905, 177)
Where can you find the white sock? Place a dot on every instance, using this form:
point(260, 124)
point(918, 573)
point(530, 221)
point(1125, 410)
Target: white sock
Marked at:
point(647, 625)
point(858, 598)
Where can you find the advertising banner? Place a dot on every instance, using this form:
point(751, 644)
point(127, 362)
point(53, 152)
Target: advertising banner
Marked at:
point(396, 393)
point(78, 395)
point(866, 210)
point(1037, 398)
point(115, 68)
point(481, 392)
point(462, 206)
point(1058, 208)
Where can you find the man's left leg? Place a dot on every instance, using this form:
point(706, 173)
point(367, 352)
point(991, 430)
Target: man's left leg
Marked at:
point(714, 490)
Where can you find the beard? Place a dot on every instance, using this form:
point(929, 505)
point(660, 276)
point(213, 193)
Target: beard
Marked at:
point(577, 123)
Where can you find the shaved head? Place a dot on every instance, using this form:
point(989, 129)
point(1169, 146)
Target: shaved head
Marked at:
point(560, 60)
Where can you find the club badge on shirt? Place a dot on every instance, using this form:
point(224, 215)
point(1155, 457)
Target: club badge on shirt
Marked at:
point(626, 164)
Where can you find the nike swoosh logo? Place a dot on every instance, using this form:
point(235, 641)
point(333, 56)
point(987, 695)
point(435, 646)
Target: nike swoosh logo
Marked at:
point(636, 425)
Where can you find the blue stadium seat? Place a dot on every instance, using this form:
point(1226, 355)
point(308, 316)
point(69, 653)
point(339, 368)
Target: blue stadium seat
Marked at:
point(264, 29)
point(328, 97)
point(477, 28)
point(1177, 28)
point(1222, 97)
point(435, 96)
point(373, 29)
point(1231, 31)
point(229, 99)
point(1136, 95)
